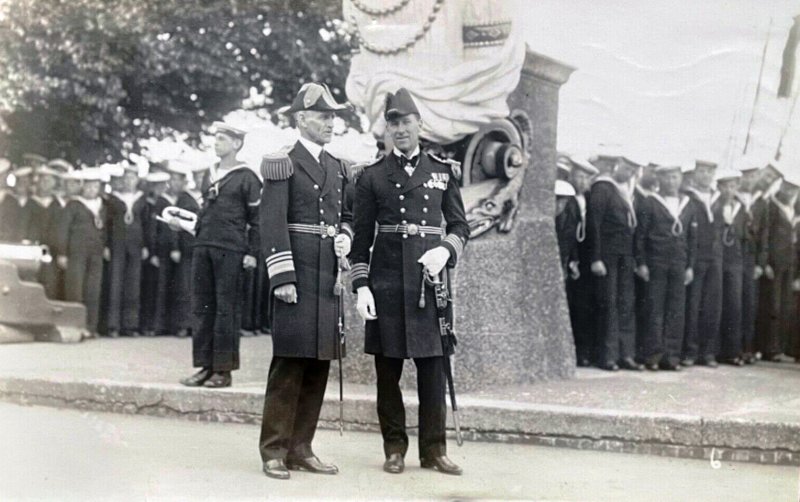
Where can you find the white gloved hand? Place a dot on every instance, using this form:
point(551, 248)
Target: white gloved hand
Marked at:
point(342, 245)
point(434, 260)
point(175, 256)
point(366, 304)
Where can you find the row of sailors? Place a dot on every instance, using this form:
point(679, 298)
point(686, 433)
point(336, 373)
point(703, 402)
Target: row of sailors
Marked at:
point(667, 267)
point(111, 252)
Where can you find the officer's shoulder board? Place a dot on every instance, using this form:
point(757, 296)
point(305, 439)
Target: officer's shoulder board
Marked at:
point(277, 166)
point(453, 165)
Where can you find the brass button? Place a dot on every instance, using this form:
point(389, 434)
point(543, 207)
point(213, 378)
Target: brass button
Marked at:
point(405, 236)
point(424, 222)
point(424, 209)
point(426, 197)
point(402, 210)
point(397, 185)
point(321, 211)
point(316, 187)
point(422, 234)
point(402, 197)
point(404, 222)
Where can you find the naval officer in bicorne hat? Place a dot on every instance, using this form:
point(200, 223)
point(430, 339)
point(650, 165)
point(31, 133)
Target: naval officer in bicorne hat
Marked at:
point(305, 229)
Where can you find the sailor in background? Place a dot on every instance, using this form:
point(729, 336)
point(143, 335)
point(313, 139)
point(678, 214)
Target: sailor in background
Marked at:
point(646, 184)
point(735, 220)
point(128, 212)
point(782, 260)
point(45, 211)
point(191, 199)
point(611, 223)
point(580, 286)
point(168, 253)
point(409, 194)
point(82, 238)
point(704, 296)
point(568, 218)
point(155, 184)
point(770, 180)
point(16, 206)
point(665, 248)
point(305, 229)
point(752, 264)
point(231, 197)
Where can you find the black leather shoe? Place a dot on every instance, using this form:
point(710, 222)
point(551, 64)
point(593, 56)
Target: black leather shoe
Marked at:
point(734, 361)
point(584, 363)
point(610, 367)
point(219, 380)
point(652, 366)
point(441, 464)
point(670, 366)
point(311, 464)
point(276, 468)
point(198, 379)
point(630, 364)
point(687, 362)
point(394, 464)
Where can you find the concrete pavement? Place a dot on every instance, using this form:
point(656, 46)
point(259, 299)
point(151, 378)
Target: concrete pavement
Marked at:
point(745, 414)
point(65, 455)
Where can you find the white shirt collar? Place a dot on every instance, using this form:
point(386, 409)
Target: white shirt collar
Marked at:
point(314, 149)
point(400, 154)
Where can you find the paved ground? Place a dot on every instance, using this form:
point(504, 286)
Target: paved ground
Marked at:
point(51, 454)
point(767, 391)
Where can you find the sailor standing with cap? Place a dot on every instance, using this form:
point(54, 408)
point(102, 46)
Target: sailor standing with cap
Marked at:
point(128, 211)
point(16, 210)
point(82, 238)
point(409, 194)
point(568, 218)
point(580, 284)
point(231, 196)
point(704, 295)
point(752, 263)
point(734, 218)
point(156, 183)
point(666, 241)
point(305, 226)
point(611, 223)
point(45, 210)
point(782, 260)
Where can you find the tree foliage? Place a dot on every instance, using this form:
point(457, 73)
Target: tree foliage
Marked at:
point(83, 79)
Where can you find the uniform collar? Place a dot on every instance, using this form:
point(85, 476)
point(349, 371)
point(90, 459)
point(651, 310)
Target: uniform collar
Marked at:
point(314, 149)
point(400, 155)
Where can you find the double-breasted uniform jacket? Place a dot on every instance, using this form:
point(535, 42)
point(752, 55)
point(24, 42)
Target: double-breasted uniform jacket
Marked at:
point(387, 262)
point(709, 229)
point(663, 237)
point(303, 208)
point(610, 220)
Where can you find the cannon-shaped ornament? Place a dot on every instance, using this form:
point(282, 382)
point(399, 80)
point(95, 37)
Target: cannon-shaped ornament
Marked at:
point(26, 314)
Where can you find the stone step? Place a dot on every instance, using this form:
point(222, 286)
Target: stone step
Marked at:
point(678, 435)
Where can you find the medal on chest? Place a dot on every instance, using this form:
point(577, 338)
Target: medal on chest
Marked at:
point(438, 181)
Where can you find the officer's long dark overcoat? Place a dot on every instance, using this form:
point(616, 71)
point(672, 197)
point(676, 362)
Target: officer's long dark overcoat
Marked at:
point(386, 195)
point(307, 193)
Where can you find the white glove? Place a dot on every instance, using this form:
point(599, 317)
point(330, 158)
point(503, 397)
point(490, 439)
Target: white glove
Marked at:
point(145, 253)
point(249, 262)
point(62, 261)
point(434, 260)
point(366, 304)
point(175, 256)
point(342, 245)
point(154, 261)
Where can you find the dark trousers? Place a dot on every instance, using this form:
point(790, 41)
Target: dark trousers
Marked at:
point(167, 296)
point(662, 340)
point(730, 327)
point(749, 305)
point(781, 315)
point(182, 306)
point(83, 283)
point(295, 389)
point(616, 320)
point(432, 406)
point(125, 293)
point(581, 312)
point(703, 311)
point(641, 291)
point(217, 285)
point(148, 292)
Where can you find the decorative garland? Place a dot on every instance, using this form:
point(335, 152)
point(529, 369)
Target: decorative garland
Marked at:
point(378, 12)
point(437, 6)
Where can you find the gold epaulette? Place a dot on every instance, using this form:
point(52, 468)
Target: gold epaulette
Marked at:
point(276, 166)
